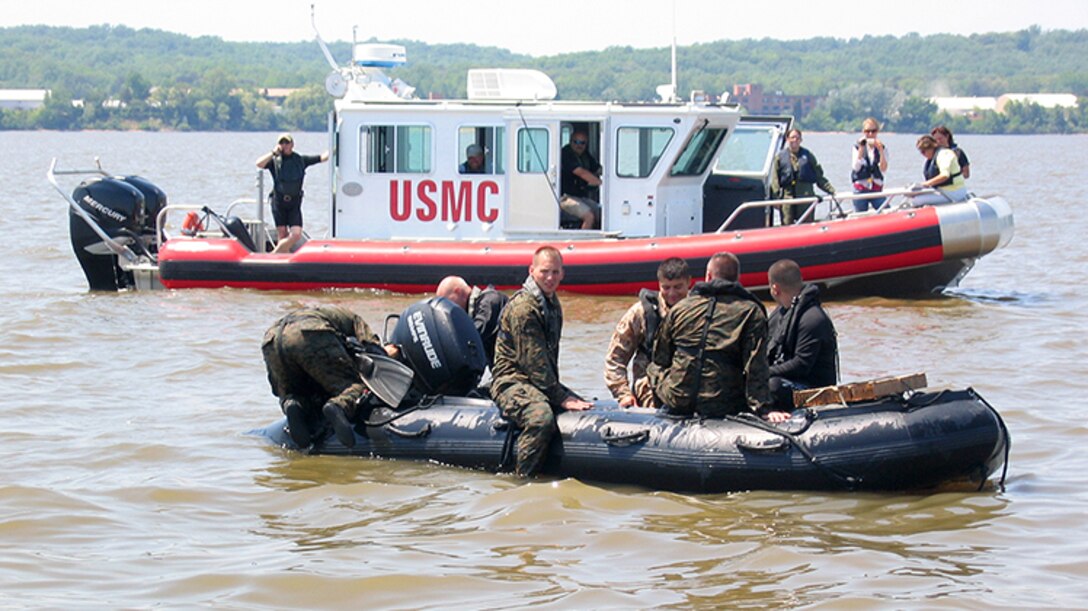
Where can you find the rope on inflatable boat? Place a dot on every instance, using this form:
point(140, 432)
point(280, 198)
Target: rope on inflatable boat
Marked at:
point(425, 402)
point(851, 482)
point(1008, 441)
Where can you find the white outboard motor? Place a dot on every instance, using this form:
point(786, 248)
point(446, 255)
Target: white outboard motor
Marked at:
point(442, 345)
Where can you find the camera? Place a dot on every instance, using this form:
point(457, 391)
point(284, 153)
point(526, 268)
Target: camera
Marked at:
point(862, 141)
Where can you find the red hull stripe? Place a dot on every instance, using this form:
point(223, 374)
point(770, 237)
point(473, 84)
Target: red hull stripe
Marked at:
point(847, 249)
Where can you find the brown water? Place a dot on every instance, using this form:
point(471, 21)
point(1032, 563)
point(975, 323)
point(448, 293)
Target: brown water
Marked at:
point(129, 479)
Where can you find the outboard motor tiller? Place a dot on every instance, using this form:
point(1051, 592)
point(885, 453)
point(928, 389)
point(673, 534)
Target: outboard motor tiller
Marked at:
point(442, 345)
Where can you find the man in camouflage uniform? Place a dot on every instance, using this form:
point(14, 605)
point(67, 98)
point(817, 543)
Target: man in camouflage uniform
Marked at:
point(311, 369)
point(710, 357)
point(526, 370)
point(633, 340)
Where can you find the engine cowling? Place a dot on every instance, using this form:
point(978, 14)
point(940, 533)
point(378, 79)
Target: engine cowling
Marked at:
point(441, 344)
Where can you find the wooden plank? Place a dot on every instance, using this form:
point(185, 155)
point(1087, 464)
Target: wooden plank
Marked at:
point(855, 392)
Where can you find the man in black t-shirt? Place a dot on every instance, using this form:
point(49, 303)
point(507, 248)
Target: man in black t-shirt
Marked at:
point(288, 170)
point(579, 172)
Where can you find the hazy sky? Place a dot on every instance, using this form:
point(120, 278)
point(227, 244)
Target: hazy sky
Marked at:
point(554, 26)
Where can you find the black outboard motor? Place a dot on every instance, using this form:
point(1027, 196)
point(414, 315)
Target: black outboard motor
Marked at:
point(118, 208)
point(154, 202)
point(442, 345)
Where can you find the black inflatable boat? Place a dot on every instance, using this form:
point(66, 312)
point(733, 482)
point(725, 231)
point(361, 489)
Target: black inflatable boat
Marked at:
point(915, 440)
point(922, 441)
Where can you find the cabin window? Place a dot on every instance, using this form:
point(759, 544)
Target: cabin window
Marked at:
point(747, 151)
point(638, 149)
point(699, 152)
point(532, 150)
point(490, 139)
point(401, 149)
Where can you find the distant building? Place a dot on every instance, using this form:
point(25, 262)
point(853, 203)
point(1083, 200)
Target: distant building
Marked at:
point(964, 106)
point(22, 99)
point(972, 107)
point(1046, 100)
point(277, 94)
point(757, 102)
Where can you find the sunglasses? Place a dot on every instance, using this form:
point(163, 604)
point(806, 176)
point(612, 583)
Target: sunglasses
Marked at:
point(579, 141)
point(870, 131)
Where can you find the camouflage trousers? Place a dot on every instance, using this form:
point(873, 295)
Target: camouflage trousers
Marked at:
point(528, 408)
point(312, 366)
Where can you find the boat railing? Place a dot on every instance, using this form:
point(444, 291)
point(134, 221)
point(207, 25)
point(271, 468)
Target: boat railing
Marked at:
point(894, 200)
point(161, 234)
point(114, 245)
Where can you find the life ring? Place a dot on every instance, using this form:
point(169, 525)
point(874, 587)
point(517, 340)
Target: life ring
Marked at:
point(192, 224)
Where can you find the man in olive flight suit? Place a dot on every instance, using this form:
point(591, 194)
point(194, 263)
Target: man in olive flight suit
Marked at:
point(526, 369)
point(710, 356)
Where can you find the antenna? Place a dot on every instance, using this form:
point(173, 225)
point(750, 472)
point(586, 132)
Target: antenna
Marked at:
point(674, 50)
point(667, 92)
point(324, 47)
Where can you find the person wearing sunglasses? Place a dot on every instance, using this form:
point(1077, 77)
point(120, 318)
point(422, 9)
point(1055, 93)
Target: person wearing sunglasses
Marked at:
point(870, 163)
point(579, 174)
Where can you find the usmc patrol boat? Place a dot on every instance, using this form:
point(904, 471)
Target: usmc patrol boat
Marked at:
point(679, 178)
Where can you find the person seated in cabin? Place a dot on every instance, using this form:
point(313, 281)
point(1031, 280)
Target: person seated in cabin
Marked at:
point(288, 170)
point(710, 354)
point(525, 382)
point(579, 174)
point(484, 306)
point(802, 346)
point(869, 163)
point(941, 171)
point(633, 340)
point(794, 174)
point(309, 358)
point(474, 161)
point(944, 138)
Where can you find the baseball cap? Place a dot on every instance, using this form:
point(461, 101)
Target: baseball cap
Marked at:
point(285, 137)
point(474, 150)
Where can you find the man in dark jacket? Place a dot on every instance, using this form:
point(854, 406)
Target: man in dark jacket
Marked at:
point(312, 369)
point(803, 349)
point(710, 355)
point(484, 306)
point(526, 371)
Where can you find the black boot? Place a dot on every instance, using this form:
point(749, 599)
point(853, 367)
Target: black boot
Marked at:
point(296, 423)
point(336, 416)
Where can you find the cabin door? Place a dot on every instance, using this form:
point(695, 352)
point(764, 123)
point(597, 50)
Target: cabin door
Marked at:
point(533, 173)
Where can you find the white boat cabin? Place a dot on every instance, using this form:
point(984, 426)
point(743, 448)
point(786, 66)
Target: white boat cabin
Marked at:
point(397, 160)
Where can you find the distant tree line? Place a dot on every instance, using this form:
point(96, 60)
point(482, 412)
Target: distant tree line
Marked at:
point(149, 79)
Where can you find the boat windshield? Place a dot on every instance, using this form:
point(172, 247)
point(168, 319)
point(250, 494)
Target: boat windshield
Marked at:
point(698, 152)
point(747, 151)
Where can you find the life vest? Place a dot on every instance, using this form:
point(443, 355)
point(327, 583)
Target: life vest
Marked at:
point(290, 170)
point(931, 170)
point(867, 176)
point(787, 176)
point(651, 308)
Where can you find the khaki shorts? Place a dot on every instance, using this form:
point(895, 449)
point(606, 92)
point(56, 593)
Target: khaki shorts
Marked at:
point(579, 206)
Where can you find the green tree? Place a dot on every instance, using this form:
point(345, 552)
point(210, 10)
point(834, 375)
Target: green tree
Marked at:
point(307, 109)
point(915, 115)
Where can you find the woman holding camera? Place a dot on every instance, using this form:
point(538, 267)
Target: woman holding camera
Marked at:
point(870, 162)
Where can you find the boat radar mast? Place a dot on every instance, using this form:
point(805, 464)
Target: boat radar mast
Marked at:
point(363, 77)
